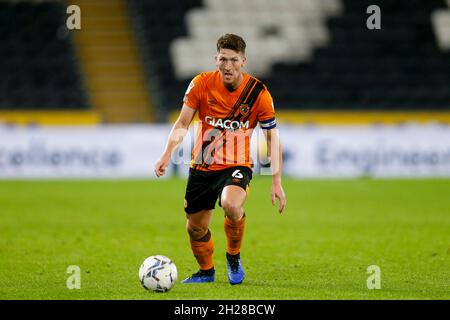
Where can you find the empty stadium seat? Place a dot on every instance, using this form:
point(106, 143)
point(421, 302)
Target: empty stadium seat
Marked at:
point(38, 65)
point(312, 54)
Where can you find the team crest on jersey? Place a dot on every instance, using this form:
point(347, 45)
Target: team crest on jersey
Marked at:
point(244, 109)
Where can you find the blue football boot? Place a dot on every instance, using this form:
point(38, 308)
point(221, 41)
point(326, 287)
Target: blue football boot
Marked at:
point(235, 272)
point(201, 276)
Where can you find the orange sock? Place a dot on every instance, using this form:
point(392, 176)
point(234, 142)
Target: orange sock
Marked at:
point(234, 231)
point(203, 251)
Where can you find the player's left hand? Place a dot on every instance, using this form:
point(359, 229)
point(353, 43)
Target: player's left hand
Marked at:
point(161, 165)
point(278, 192)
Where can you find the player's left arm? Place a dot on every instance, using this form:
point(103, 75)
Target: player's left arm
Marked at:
point(275, 155)
point(268, 124)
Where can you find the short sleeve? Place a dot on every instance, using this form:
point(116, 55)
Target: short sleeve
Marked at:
point(266, 115)
point(193, 93)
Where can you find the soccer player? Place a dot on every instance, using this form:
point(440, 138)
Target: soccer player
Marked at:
point(230, 103)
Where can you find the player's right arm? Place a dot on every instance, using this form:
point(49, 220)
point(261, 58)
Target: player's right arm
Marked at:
point(191, 104)
point(176, 136)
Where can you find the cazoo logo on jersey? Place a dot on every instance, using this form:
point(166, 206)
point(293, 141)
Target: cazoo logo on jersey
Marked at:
point(226, 124)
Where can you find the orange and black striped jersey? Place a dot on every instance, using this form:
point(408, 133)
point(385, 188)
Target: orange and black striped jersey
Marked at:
point(227, 119)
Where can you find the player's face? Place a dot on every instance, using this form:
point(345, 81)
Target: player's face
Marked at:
point(230, 64)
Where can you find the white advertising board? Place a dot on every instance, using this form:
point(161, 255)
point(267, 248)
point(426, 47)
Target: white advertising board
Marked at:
point(312, 152)
point(81, 152)
point(386, 151)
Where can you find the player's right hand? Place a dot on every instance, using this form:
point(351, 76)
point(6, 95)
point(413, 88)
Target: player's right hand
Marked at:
point(161, 165)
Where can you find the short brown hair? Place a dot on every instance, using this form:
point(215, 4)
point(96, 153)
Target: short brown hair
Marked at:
point(231, 41)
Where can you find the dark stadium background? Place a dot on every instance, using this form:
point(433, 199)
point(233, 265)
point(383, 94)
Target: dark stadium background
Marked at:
point(118, 67)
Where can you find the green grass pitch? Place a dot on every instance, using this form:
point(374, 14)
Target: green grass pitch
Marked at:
point(319, 249)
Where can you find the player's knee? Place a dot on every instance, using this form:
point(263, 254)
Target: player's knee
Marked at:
point(232, 210)
point(196, 232)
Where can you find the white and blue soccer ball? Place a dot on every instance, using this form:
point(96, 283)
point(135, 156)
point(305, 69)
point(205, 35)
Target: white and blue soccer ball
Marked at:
point(158, 273)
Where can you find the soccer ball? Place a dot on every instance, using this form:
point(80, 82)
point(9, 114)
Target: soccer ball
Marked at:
point(158, 273)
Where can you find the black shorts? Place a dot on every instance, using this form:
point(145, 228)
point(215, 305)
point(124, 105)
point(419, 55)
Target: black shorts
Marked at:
point(205, 187)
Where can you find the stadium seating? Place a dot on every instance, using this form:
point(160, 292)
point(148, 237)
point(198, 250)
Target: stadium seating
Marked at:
point(37, 61)
point(313, 54)
point(441, 24)
point(158, 23)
